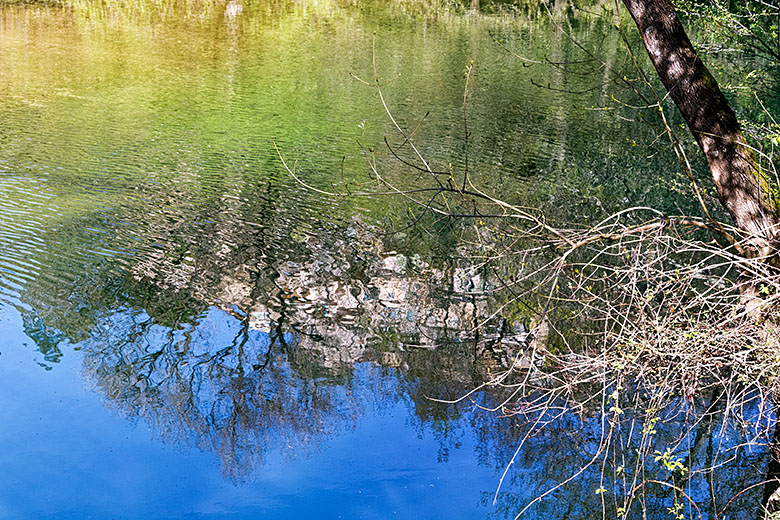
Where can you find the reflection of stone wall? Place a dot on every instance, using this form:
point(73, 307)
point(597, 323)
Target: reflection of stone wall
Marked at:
point(341, 297)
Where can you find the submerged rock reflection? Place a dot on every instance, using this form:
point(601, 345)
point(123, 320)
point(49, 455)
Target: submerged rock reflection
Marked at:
point(339, 298)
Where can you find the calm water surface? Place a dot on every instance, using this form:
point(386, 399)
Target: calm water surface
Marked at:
point(186, 332)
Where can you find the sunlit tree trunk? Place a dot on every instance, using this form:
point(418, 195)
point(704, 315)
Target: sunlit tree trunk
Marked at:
point(716, 129)
point(710, 119)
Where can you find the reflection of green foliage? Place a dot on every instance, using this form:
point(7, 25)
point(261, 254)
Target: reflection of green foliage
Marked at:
point(743, 43)
point(46, 339)
point(34, 3)
point(133, 157)
point(167, 308)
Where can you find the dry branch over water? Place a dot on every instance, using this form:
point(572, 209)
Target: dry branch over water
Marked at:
point(641, 318)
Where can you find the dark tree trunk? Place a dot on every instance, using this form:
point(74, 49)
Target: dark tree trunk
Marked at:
point(710, 119)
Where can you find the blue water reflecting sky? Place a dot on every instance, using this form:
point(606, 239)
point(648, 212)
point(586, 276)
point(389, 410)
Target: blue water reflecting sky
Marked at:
point(67, 454)
point(142, 421)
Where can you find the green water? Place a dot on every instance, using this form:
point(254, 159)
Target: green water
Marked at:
point(154, 250)
point(126, 138)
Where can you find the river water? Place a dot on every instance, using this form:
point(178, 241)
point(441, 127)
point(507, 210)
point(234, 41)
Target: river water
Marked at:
point(186, 331)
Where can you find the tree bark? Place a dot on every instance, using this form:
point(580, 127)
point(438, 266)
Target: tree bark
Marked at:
point(711, 120)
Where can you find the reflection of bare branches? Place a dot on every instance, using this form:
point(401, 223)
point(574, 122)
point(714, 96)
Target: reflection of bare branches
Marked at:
point(259, 369)
point(269, 363)
point(671, 306)
point(194, 385)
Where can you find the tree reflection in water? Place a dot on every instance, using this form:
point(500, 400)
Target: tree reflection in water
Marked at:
point(283, 354)
point(271, 361)
point(215, 383)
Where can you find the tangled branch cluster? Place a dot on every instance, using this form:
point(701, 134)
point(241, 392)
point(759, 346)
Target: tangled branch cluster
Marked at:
point(670, 307)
